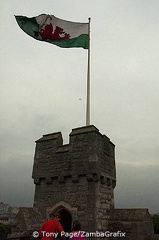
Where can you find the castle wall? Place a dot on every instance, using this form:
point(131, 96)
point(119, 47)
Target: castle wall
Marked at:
point(78, 180)
point(81, 174)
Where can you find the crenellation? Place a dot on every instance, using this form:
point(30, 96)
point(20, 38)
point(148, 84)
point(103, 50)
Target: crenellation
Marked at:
point(79, 178)
point(63, 148)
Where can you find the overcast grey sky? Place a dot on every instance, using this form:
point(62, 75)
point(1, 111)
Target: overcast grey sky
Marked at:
point(43, 90)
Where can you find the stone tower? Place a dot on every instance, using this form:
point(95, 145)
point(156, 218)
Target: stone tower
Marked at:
point(76, 179)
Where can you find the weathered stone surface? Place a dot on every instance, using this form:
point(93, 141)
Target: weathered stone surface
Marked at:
point(77, 173)
point(78, 180)
point(136, 223)
point(27, 221)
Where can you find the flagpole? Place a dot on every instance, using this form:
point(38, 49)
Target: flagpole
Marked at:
point(88, 79)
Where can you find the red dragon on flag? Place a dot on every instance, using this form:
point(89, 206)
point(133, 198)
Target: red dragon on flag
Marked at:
point(51, 32)
point(54, 30)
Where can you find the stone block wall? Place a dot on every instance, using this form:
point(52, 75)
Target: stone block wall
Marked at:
point(79, 176)
point(136, 223)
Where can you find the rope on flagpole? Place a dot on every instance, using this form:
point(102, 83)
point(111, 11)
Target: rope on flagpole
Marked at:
point(88, 79)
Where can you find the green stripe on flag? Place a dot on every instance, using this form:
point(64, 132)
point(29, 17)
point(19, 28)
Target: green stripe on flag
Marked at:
point(32, 28)
point(81, 41)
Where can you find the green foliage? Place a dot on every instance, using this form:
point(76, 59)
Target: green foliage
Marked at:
point(4, 230)
point(155, 219)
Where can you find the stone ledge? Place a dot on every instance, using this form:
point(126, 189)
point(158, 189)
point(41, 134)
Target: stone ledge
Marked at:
point(80, 130)
point(50, 136)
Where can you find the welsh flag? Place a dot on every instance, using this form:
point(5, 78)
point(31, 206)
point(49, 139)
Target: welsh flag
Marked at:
point(53, 30)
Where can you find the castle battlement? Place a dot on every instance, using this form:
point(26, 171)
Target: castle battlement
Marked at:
point(89, 154)
point(78, 180)
point(78, 177)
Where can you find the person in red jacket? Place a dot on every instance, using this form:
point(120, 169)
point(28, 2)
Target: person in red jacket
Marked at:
point(50, 229)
